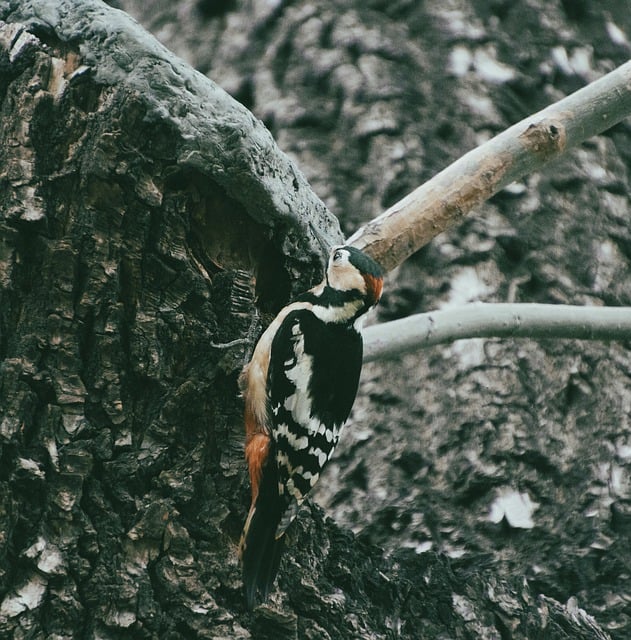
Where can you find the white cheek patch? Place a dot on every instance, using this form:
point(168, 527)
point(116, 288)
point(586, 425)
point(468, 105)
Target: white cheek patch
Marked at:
point(346, 278)
point(338, 314)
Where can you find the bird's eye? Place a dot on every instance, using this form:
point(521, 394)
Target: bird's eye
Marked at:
point(337, 256)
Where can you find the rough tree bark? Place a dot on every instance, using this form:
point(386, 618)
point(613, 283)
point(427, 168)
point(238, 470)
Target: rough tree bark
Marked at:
point(136, 201)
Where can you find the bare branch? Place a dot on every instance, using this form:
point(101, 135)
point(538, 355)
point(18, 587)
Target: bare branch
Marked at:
point(483, 320)
point(444, 200)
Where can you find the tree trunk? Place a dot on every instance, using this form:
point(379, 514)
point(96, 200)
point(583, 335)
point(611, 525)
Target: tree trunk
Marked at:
point(139, 204)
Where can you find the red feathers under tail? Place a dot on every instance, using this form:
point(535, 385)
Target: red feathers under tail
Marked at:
point(260, 551)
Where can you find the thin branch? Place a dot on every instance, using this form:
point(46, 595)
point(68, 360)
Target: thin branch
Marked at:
point(444, 200)
point(501, 320)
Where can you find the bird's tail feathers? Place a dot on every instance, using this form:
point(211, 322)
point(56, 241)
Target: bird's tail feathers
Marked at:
point(260, 547)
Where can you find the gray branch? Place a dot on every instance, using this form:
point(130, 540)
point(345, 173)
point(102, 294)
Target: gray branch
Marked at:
point(527, 146)
point(502, 320)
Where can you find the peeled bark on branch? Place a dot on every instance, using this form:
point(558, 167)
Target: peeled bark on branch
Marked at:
point(527, 146)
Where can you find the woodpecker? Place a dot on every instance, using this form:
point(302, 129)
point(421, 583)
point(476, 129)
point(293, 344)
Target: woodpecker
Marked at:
point(298, 388)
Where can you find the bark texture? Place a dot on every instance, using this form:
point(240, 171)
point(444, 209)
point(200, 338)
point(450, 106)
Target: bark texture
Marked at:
point(138, 203)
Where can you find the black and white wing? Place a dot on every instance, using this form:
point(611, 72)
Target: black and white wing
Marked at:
point(312, 383)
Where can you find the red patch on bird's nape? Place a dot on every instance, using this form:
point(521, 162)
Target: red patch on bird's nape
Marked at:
point(374, 286)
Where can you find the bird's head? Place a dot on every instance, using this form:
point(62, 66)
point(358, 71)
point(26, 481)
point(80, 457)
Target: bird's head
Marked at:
point(351, 270)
